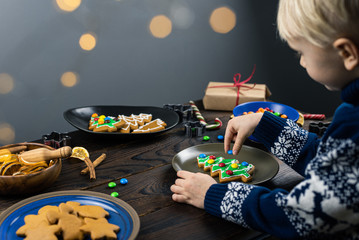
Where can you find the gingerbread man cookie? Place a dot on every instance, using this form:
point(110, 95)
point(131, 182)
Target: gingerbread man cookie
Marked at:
point(68, 222)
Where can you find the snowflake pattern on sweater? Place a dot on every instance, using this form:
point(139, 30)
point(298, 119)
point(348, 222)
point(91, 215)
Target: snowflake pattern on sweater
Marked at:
point(325, 202)
point(325, 205)
point(290, 142)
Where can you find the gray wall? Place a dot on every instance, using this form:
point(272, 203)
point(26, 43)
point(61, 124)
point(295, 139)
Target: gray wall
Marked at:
point(128, 66)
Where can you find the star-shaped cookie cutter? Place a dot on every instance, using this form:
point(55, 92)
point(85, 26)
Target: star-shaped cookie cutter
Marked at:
point(56, 140)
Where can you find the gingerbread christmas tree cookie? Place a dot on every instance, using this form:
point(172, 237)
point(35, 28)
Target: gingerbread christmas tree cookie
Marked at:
point(227, 169)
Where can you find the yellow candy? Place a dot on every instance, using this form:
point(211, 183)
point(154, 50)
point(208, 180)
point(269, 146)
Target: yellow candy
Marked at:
point(101, 121)
point(234, 165)
point(210, 161)
point(102, 116)
point(5, 155)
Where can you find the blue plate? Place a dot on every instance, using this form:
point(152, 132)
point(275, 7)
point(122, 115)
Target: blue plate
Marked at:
point(121, 213)
point(276, 107)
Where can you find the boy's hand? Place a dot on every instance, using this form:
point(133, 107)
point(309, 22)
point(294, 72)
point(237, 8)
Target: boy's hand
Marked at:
point(239, 129)
point(191, 188)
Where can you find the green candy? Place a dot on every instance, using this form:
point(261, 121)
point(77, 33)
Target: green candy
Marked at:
point(114, 194)
point(206, 138)
point(111, 184)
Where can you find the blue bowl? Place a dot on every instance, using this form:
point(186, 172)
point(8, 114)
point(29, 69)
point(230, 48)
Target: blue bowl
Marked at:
point(276, 107)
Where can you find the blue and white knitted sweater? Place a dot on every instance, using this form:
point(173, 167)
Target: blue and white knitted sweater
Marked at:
point(325, 203)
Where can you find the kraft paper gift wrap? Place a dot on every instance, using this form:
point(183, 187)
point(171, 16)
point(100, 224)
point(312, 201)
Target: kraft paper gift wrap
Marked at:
point(226, 96)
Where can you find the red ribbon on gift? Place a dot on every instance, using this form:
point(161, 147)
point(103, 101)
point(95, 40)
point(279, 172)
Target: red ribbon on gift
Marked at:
point(238, 84)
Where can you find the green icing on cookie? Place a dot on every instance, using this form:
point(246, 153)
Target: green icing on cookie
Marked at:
point(238, 171)
point(110, 124)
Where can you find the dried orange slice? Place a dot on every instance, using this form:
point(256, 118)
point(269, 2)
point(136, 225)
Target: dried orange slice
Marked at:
point(11, 168)
point(80, 153)
point(5, 155)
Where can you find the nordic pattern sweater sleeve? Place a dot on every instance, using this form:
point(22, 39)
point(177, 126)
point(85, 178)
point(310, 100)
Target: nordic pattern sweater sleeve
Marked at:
point(325, 204)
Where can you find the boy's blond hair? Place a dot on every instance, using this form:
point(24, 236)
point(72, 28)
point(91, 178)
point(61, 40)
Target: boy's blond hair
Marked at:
point(320, 22)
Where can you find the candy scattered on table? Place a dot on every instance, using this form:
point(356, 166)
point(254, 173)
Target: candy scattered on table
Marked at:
point(123, 181)
point(206, 138)
point(114, 194)
point(220, 137)
point(112, 184)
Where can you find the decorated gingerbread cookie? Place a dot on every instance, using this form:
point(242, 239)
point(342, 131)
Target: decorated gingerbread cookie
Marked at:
point(105, 123)
point(227, 169)
point(153, 126)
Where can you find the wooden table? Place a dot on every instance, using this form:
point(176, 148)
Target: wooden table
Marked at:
point(146, 163)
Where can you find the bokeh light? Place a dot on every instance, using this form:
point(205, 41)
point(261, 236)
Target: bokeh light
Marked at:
point(6, 83)
point(160, 26)
point(88, 41)
point(222, 20)
point(182, 16)
point(7, 133)
point(69, 79)
point(68, 5)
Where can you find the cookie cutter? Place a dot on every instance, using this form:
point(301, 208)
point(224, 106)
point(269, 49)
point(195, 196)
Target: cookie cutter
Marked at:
point(184, 112)
point(194, 128)
point(56, 140)
point(318, 127)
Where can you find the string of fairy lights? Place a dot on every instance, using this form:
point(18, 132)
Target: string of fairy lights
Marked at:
point(222, 20)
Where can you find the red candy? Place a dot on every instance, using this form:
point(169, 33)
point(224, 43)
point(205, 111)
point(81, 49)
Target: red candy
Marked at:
point(221, 164)
point(212, 157)
point(229, 172)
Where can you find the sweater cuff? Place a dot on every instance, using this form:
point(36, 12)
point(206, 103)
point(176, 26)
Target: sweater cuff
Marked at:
point(213, 199)
point(268, 129)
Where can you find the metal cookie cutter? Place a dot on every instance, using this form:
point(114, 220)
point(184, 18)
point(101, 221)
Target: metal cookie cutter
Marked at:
point(318, 127)
point(194, 128)
point(184, 111)
point(57, 140)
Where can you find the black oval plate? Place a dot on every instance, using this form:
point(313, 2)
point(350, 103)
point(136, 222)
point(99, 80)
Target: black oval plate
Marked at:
point(80, 117)
point(266, 165)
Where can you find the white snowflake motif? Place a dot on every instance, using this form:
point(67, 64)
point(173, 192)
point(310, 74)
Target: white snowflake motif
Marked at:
point(353, 178)
point(290, 142)
point(231, 205)
point(326, 201)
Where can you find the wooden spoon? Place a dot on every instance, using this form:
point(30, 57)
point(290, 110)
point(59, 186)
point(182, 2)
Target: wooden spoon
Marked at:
point(44, 154)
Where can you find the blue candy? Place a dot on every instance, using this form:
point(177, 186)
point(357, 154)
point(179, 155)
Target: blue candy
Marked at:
point(202, 155)
point(123, 181)
point(220, 137)
point(230, 152)
point(244, 164)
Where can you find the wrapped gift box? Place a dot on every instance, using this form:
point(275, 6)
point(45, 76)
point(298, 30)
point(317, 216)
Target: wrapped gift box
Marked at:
point(224, 96)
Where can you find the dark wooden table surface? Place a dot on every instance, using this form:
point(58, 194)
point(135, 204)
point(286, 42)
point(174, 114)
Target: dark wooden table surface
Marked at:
point(146, 163)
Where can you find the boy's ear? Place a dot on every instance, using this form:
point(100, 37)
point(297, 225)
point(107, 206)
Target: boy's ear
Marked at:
point(348, 51)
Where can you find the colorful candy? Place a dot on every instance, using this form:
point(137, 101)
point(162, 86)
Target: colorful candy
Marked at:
point(112, 184)
point(262, 110)
point(123, 181)
point(217, 122)
point(206, 138)
point(114, 194)
point(220, 137)
point(314, 116)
